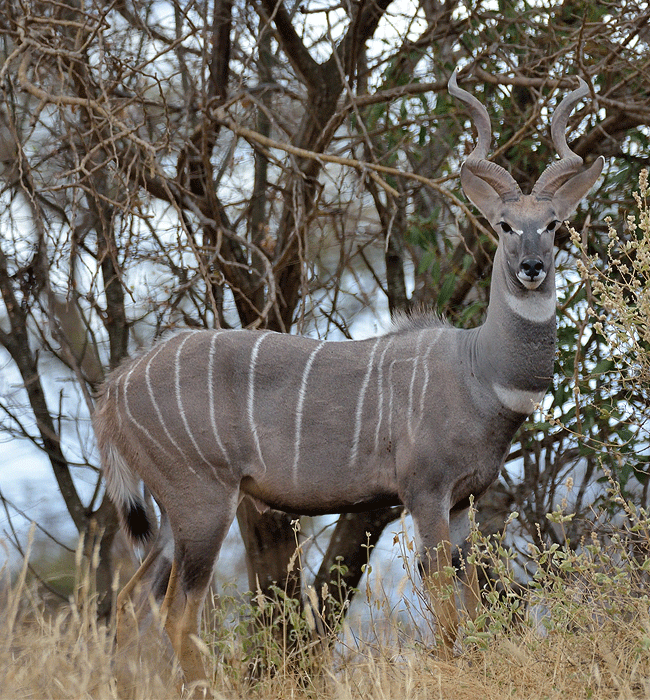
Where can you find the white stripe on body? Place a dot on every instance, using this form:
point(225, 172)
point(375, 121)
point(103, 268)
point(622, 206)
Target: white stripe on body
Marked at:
point(359, 411)
point(127, 408)
point(302, 393)
point(391, 394)
point(250, 406)
point(181, 410)
point(416, 363)
point(159, 413)
point(425, 364)
point(213, 416)
point(423, 360)
point(380, 391)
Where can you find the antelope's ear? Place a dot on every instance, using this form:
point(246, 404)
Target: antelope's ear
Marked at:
point(480, 193)
point(566, 199)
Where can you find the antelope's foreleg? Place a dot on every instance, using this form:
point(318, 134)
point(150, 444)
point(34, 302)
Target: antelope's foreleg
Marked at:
point(439, 585)
point(434, 547)
point(459, 527)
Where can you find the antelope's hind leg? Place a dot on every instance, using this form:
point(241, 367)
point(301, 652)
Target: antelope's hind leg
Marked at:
point(126, 618)
point(199, 532)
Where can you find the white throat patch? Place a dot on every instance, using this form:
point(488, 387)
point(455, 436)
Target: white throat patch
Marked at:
point(518, 400)
point(537, 308)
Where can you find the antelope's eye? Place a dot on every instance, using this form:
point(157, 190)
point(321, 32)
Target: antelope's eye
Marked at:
point(552, 226)
point(506, 228)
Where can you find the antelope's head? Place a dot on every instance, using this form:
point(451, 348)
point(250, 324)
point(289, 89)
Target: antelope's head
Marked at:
point(526, 223)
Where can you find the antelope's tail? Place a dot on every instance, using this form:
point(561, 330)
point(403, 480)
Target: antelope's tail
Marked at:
point(124, 489)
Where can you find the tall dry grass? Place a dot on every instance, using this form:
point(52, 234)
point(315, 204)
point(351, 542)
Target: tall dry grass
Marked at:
point(581, 629)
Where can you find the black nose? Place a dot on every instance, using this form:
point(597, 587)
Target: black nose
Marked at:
point(531, 267)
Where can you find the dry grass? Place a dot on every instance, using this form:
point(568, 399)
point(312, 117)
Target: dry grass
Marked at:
point(585, 633)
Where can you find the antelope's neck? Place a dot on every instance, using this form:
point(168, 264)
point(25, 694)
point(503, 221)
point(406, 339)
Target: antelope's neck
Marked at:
point(515, 346)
